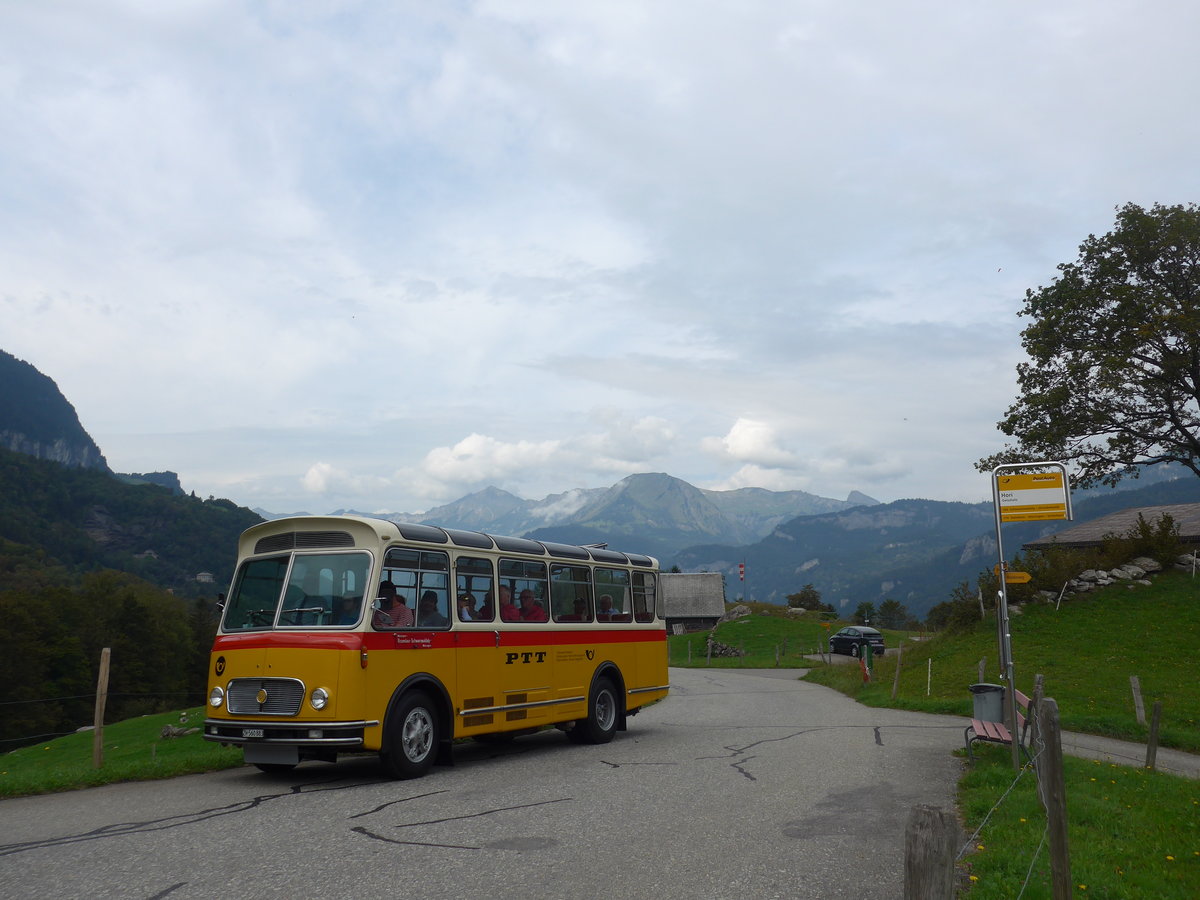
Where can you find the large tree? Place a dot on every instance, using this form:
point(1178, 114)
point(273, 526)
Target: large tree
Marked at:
point(1113, 378)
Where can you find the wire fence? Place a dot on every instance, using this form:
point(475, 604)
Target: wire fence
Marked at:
point(1035, 764)
point(35, 738)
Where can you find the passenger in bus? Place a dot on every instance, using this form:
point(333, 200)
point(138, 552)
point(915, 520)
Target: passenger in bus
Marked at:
point(580, 614)
point(485, 613)
point(508, 609)
point(465, 613)
point(531, 610)
point(348, 610)
point(393, 613)
point(604, 608)
point(427, 611)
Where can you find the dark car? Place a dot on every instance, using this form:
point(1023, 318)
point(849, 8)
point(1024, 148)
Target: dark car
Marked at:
point(853, 640)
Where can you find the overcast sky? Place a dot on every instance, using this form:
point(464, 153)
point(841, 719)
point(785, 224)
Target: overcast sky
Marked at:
point(322, 255)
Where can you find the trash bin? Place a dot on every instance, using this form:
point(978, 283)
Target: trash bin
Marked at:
point(989, 702)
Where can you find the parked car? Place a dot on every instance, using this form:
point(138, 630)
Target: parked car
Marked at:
point(852, 640)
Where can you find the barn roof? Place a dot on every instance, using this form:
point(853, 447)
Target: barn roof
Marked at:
point(1092, 534)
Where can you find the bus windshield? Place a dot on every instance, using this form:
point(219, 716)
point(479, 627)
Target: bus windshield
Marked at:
point(299, 590)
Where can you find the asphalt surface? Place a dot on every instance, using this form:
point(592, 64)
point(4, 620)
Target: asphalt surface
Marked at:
point(738, 785)
point(741, 784)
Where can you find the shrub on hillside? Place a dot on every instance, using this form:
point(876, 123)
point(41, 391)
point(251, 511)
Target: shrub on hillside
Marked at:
point(1159, 541)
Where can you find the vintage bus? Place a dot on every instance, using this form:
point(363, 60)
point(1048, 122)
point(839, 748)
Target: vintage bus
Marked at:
point(347, 634)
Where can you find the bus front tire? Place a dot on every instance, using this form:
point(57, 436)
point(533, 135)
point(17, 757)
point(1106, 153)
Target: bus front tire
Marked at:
point(604, 712)
point(412, 737)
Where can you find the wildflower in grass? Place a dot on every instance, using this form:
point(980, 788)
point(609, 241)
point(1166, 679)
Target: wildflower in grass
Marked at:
point(974, 877)
point(1170, 858)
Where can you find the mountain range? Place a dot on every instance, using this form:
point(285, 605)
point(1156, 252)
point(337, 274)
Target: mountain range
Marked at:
point(854, 550)
point(654, 513)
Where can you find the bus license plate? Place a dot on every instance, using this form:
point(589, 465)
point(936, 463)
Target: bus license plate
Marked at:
point(252, 732)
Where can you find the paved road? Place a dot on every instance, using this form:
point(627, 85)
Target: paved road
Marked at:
point(738, 785)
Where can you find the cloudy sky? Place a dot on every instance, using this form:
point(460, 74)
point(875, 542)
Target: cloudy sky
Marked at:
point(315, 255)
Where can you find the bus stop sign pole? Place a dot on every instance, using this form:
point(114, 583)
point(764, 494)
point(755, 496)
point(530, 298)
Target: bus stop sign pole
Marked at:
point(1022, 492)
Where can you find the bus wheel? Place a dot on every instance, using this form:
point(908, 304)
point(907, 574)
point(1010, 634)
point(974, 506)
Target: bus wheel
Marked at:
point(412, 737)
point(603, 712)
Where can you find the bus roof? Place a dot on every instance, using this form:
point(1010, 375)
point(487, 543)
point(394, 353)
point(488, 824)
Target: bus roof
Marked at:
point(343, 530)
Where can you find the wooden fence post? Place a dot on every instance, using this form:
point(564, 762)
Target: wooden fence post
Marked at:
point(931, 841)
point(1152, 745)
point(1138, 707)
point(1054, 796)
point(101, 700)
point(899, 657)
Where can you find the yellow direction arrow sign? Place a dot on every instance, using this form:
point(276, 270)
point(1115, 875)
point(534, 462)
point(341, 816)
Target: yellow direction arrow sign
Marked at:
point(1013, 577)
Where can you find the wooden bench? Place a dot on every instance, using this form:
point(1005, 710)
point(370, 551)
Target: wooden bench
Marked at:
point(997, 732)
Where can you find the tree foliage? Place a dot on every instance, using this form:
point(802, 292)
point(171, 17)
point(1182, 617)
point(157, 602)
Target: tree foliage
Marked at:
point(864, 613)
point(891, 614)
point(808, 597)
point(1113, 378)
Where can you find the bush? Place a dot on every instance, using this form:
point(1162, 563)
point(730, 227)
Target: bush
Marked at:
point(1159, 541)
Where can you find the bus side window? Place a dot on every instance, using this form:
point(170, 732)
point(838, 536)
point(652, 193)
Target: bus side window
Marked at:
point(525, 577)
point(570, 593)
point(612, 595)
point(421, 578)
point(643, 597)
point(474, 579)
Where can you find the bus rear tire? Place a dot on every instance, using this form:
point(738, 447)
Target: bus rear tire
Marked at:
point(604, 713)
point(413, 734)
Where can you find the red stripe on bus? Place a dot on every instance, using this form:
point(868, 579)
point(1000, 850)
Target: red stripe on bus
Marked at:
point(429, 640)
point(309, 640)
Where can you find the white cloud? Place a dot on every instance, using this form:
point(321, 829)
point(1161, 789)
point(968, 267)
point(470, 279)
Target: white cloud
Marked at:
point(547, 245)
point(751, 441)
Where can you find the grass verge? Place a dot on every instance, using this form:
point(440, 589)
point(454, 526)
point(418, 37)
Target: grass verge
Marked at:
point(1087, 651)
point(1133, 833)
point(134, 750)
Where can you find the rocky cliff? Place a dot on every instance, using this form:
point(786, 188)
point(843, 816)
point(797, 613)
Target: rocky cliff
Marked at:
point(37, 420)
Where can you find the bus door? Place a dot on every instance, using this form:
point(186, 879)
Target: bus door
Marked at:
point(477, 641)
point(526, 664)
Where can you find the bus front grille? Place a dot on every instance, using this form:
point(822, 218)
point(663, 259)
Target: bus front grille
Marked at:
point(265, 696)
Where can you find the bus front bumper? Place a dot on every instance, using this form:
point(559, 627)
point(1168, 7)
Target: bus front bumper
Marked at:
point(339, 735)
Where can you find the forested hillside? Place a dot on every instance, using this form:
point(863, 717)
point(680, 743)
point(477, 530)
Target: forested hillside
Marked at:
point(88, 561)
point(85, 519)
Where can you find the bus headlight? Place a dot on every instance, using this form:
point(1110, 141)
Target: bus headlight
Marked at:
point(319, 698)
point(216, 697)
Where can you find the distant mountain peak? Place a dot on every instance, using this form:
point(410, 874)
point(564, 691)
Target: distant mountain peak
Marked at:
point(37, 420)
point(858, 498)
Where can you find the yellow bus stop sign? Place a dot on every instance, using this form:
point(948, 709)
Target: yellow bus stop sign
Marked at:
point(1027, 498)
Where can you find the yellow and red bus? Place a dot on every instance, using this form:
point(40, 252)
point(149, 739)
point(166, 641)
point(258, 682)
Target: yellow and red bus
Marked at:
point(347, 634)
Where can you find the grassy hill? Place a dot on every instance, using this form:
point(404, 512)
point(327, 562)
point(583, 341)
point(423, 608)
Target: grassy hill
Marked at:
point(1087, 650)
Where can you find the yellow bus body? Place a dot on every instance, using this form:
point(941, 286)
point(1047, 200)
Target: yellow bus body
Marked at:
point(287, 689)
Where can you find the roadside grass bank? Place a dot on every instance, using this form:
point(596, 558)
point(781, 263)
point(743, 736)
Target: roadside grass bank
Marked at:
point(1087, 650)
point(1133, 833)
point(134, 750)
point(770, 637)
